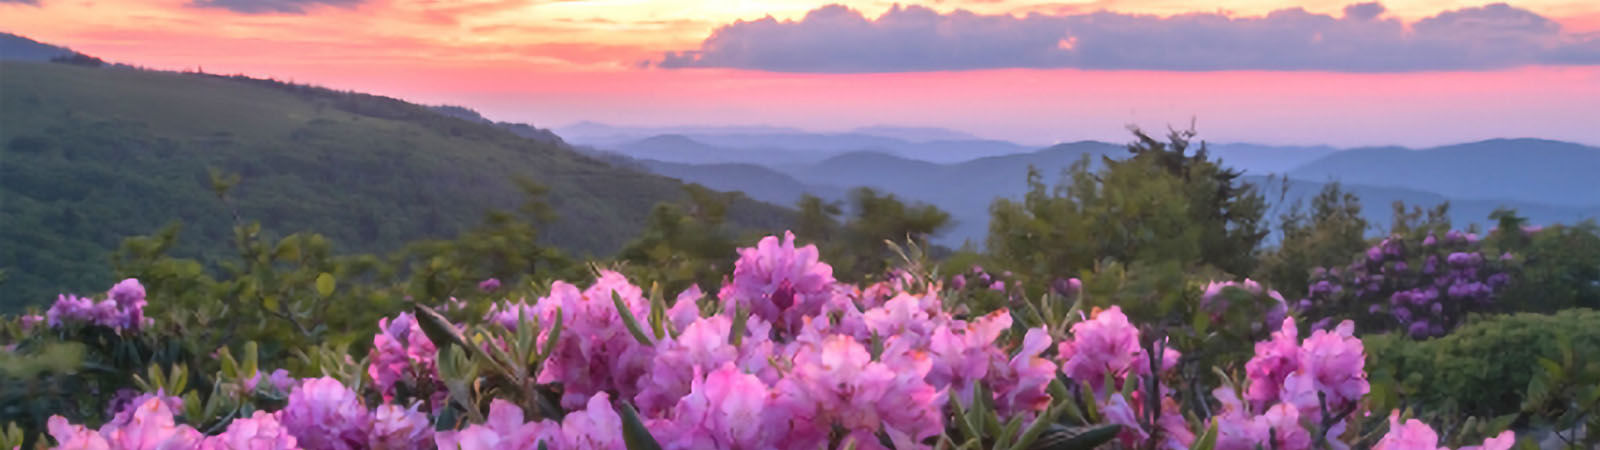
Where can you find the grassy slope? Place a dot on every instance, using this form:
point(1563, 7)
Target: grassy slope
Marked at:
point(89, 156)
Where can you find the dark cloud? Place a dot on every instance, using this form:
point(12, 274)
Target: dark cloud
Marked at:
point(22, 2)
point(1364, 11)
point(270, 6)
point(914, 38)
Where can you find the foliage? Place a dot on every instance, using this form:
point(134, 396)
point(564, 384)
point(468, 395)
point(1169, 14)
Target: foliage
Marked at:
point(684, 245)
point(1558, 266)
point(1323, 236)
point(1482, 368)
point(857, 246)
point(85, 161)
point(1162, 204)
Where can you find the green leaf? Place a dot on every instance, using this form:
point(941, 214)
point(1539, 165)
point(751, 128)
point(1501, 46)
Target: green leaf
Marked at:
point(963, 423)
point(658, 311)
point(251, 365)
point(740, 317)
point(1499, 424)
point(628, 320)
point(1551, 367)
point(1076, 438)
point(634, 434)
point(554, 339)
point(1003, 440)
point(325, 284)
point(1039, 426)
point(439, 329)
point(230, 366)
point(1207, 439)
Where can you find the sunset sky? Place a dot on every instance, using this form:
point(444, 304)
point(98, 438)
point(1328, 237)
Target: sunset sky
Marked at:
point(1411, 72)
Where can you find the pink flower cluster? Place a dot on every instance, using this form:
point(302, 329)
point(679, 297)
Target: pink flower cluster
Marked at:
point(596, 353)
point(814, 364)
point(1289, 381)
point(1107, 343)
point(1415, 435)
point(321, 414)
point(402, 353)
point(123, 308)
point(780, 283)
point(1108, 346)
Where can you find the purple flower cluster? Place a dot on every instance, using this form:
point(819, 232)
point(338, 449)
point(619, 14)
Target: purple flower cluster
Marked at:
point(122, 309)
point(1422, 288)
point(489, 285)
point(979, 279)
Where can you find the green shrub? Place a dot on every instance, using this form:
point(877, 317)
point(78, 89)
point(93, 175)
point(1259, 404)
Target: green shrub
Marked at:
point(1482, 368)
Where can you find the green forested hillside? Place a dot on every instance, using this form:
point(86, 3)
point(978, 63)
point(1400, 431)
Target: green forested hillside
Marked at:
point(89, 156)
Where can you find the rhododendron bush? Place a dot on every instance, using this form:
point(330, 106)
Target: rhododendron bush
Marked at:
point(781, 356)
point(1423, 287)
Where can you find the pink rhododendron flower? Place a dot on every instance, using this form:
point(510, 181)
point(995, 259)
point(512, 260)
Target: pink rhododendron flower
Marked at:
point(147, 425)
point(686, 308)
point(834, 382)
point(1412, 435)
point(1117, 411)
point(779, 282)
point(509, 314)
point(903, 314)
point(1273, 361)
point(402, 352)
point(399, 428)
point(964, 352)
point(125, 410)
point(1287, 432)
point(1106, 343)
point(75, 437)
point(323, 414)
point(1415, 435)
point(257, 432)
point(1504, 441)
point(1020, 385)
point(700, 347)
point(597, 426)
point(729, 409)
point(1336, 362)
point(505, 429)
point(596, 352)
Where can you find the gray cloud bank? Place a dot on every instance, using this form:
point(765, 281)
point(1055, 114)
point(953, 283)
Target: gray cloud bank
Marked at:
point(913, 38)
point(270, 6)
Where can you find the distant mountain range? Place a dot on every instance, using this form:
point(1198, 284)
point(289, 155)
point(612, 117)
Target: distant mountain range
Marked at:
point(1537, 170)
point(1544, 180)
point(777, 145)
point(772, 146)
